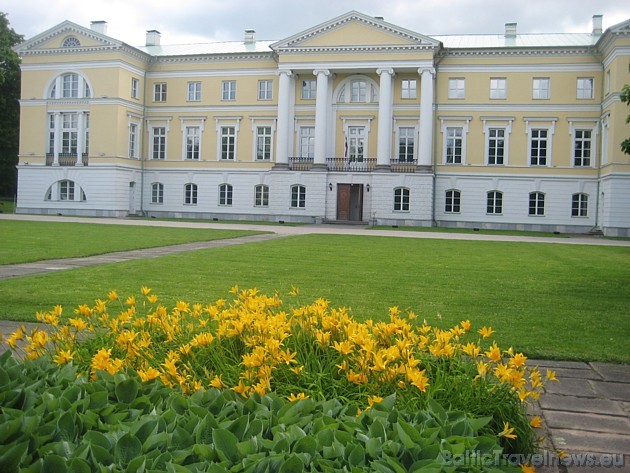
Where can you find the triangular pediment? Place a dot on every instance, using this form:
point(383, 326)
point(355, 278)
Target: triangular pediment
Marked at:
point(67, 37)
point(355, 30)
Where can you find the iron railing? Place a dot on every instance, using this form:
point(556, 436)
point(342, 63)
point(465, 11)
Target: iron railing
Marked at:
point(351, 165)
point(66, 159)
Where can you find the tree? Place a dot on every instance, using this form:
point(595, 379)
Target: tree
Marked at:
point(9, 107)
point(625, 98)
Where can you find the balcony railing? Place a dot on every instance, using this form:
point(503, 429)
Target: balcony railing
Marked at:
point(66, 159)
point(351, 165)
point(305, 163)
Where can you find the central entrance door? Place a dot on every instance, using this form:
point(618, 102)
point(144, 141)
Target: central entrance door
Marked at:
point(350, 202)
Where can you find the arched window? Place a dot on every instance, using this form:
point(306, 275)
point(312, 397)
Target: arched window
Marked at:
point(225, 194)
point(401, 199)
point(536, 203)
point(65, 190)
point(453, 200)
point(190, 194)
point(357, 89)
point(261, 196)
point(70, 86)
point(157, 193)
point(494, 203)
point(71, 42)
point(298, 197)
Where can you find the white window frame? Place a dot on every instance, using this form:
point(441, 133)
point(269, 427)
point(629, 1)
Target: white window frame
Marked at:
point(156, 134)
point(409, 89)
point(226, 194)
point(192, 143)
point(265, 89)
point(135, 88)
point(541, 88)
point(306, 144)
point(403, 139)
point(309, 89)
point(66, 190)
point(157, 193)
point(456, 88)
point(539, 204)
point(57, 87)
point(497, 123)
point(221, 124)
point(491, 203)
point(452, 201)
point(585, 88)
point(298, 196)
point(346, 92)
point(577, 125)
point(498, 88)
point(228, 90)
point(159, 92)
point(261, 195)
point(194, 91)
point(548, 124)
point(134, 133)
point(579, 205)
point(191, 193)
point(264, 136)
point(402, 199)
point(448, 124)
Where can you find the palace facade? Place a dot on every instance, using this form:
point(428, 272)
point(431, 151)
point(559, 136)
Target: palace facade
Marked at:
point(352, 120)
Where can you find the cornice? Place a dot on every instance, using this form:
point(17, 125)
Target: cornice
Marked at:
point(515, 52)
point(236, 57)
point(358, 48)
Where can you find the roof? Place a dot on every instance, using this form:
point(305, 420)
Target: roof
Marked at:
point(542, 40)
point(196, 49)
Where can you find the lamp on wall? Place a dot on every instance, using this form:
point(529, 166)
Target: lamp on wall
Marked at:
point(330, 185)
point(368, 187)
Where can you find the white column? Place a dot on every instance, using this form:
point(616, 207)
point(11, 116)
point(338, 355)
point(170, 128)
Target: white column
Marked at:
point(384, 148)
point(321, 113)
point(282, 134)
point(80, 137)
point(57, 142)
point(426, 116)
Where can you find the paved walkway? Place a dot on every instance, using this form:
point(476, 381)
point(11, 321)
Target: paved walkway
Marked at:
point(586, 414)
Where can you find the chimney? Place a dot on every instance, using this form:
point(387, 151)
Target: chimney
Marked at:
point(153, 37)
point(597, 24)
point(510, 30)
point(99, 27)
point(250, 36)
point(380, 18)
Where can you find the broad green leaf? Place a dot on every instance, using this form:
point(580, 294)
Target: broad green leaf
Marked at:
point(357, 456)
point(99, 455)
point(4, 378)
point(95, 437)
point(79, 465)
point(127, 390)
point(54, 464)
point(156, 442)
point(9, 429)
point(226, 444)
point(98, 400)
point(292, 465)
point(239, 426)
point(137, 465)
point(305, 445)
point(437, 411)
point(127, 448)
point(145, 428)
point(181, 439)
point(377, 429)
point(11, 456)
point(478, 423)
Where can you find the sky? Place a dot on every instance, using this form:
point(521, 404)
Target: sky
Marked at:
point(201, 21)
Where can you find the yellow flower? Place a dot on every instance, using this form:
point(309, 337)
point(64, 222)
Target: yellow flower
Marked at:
point(486, 332)
point(152, 298)
point(299, 396)
point(217, 382)
point(241, 388)
point(145, 291)
point(148, 374)
point(471, 350)
point(507, 432)
point(131, 300)
point(494, 354)
point(466, 325)
point(345, 347)
point(113, 295)
point(528, 469)
point(63, 356)
point(536, 422)
point(551, 376)
point(374, 400)
point(294, 291)
point(518, 360)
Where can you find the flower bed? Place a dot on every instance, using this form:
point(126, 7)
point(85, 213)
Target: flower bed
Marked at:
point(253, 348)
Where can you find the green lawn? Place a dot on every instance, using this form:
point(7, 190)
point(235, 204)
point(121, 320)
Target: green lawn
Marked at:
point(548, 300)
point(26, 241)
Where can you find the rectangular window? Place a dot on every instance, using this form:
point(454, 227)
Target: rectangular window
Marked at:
point(538, 147)
point(454, 141)
point(133, 140)
point(70, 86)
point(408, 90)
point(157, 193)
point(401, 199)
point(69, 133)
point(494, 204)
point(66, 190)
point(496, 145)
point(356, 143)
point(585, 88)
point(456, 88)
point(537, 203)
point(228, 90)
point(193, 140)
point(298, 197)
point(265, 89)
point(579, 205)
point(261, 196)
point(307, 142)
point(228, 142)
point(406, 144)
point(358, 91)
point(135, 88)
point(159, 92)
point(498, 88)
point(263, 143)
point(309, 88)
point(540, 88)
point(583, 144)
point(453, 200)
point(225, 194)
point(194, 91)
point(159, 143)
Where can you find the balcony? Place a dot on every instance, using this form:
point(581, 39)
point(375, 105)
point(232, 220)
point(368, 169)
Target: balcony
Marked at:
point(300, 163)
point(398, 165)
point(351, 165)
point(305, 163)
point(66, 159)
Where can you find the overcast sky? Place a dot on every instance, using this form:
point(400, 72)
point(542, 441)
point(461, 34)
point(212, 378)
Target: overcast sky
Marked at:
point(198, 21)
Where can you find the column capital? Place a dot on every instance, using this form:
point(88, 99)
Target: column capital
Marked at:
point(385, 70)
point(429, 70)
point(325, 72)
point(287, 72)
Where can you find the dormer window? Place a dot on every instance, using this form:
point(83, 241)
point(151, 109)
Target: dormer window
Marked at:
point(71, 42)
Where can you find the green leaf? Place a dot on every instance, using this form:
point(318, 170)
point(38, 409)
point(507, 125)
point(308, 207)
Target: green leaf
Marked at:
point(66, 429)
point(377, 429)
point(98, 400)
point(79, 465)
point(226, 444)
point(357, 456)
point(127, 390)
point(95, 437)
point(12, 456)
point(373, 447)
point(54, 464)
point(127, 448)
point(8, 429)
point(478, 423)
point(137, 465)
point(437, 411)
point(145, 428)
point(305, 445)
point(239, 426)
point(291, 465)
